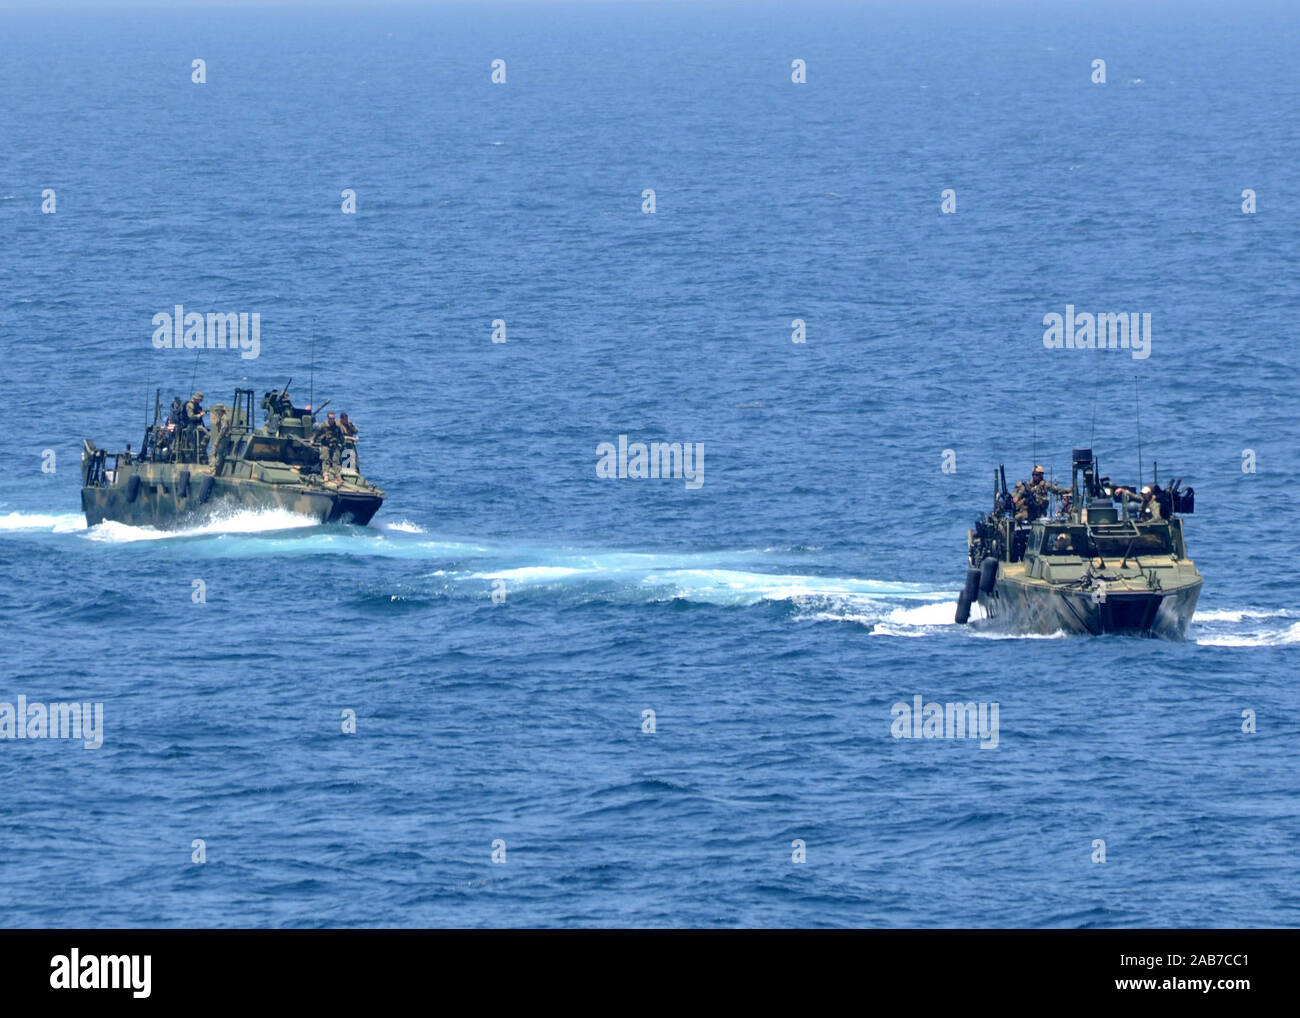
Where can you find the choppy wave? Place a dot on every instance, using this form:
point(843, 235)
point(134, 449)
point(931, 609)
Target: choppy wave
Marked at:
point(1245, 627)
point(1237, 615)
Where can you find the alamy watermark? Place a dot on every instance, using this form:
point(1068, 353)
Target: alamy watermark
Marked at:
point(75, 971)
point(83, 721)
point(638, 460)
point(920, 720)
point(1102, 331)
point(219, 331)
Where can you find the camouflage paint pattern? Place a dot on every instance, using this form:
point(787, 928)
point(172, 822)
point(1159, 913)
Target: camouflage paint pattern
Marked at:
point(1137, 594)
point(163, 502)
point(262, 469)
point(1127, 607)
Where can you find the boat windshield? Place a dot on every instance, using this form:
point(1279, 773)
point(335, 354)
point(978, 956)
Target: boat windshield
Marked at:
point(1074, 541)
point(1147, 542)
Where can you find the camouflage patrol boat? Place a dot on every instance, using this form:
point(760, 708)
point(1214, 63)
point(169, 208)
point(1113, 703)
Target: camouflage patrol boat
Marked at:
point(175, 481)
point(1100, 564)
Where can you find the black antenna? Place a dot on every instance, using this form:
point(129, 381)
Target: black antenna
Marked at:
point(1138, 394)
point(311, 381)
point(195, 377)
point(1035, 456)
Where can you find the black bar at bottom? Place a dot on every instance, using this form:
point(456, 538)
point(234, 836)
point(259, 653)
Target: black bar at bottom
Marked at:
point(338, 967)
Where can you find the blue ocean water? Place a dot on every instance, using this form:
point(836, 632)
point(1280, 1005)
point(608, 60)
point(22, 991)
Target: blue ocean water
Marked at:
point(771, 617)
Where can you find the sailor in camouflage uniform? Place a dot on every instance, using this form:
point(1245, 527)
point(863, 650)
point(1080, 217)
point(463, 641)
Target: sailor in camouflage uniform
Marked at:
point(1031, 498)
point(193, 414)
point(329, 439)
point(349, 455)
point(220, 417)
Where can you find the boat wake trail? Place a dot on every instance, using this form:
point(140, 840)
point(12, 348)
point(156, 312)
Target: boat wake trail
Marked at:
point(265, 521)
point(728, 579)
point(110, 532)
point(474, 570)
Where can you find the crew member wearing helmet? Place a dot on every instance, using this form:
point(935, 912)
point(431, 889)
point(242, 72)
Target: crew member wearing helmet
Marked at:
point(1031, 498)
point(329, 439)
point(194, 423)
point(1063, 510)
point(348, 457)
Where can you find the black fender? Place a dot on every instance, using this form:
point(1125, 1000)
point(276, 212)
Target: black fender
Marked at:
point(967, 596)
point(132, 487)
point(205, 489)
point(988, 574)
point(183, 484)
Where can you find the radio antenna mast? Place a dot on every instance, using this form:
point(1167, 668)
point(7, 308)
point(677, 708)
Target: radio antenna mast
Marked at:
point(311, 379)
point(1138, 394)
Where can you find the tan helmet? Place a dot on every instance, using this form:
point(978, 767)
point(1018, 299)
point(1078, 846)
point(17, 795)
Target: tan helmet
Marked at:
point(197, 395)
point(1039, 470)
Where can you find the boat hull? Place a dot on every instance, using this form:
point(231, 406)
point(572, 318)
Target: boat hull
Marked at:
point(167, 500)
point(1036, 607)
